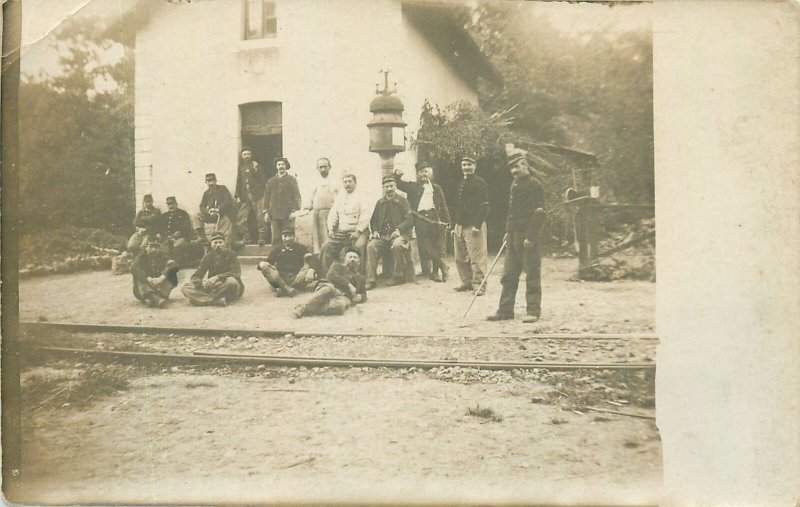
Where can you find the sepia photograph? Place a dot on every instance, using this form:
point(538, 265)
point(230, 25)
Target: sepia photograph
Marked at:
point(334, 252)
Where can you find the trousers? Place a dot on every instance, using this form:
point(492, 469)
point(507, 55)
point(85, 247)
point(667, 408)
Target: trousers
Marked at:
point(471, 255)
point(327, 300)
point(206, 296)
point(246, 210)
point(518, 259)
point(400, 250)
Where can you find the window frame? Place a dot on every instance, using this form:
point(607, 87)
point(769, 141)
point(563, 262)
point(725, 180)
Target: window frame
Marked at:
point(264, 21)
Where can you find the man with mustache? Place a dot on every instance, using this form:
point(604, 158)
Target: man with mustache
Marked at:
point(224, 283)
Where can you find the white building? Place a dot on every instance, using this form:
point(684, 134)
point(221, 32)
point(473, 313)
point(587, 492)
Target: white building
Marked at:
point(286, 77)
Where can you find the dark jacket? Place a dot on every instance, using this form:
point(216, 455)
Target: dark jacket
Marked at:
point(149, 219)
point(224, 263)
point(526, 195)
point(282, 196)
point(414, 191)
point(152, 265)
point(250, 181)
point(341, 277)
point(472, 202)
point(176, 221)
point(288, 261)
point(219, 197)
point(391, 214)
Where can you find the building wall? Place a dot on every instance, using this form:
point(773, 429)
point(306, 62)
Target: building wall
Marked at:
point(193, 70)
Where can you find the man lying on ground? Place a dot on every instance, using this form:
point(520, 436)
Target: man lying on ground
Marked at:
point(224, 283)
point(288, 267)
point(154, 275)
point(343, 286)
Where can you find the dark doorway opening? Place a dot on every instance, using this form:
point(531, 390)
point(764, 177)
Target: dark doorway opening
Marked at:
point(262, 132)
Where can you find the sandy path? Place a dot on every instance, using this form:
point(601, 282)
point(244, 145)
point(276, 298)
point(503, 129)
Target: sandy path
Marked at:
point(174, 437)
point(424, 308)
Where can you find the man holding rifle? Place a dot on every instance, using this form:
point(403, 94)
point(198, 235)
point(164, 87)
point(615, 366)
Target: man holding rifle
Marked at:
point(523, 225)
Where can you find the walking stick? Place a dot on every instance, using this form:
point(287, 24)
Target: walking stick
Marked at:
point(502, 247)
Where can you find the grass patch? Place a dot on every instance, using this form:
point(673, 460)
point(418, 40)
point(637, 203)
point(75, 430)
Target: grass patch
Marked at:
point(42, 392)
point(201, 383)
point(484, 413)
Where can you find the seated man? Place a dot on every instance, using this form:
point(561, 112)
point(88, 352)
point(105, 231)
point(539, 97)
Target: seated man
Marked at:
point(147, 223)
point(287, 269)
point(216, 207)
point(347, 224)
point(343, 286)
point(176, 226)
point(154, 275)
point(224, 282)
point(391, 232)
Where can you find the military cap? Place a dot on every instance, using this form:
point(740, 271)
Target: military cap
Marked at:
point(217, 235)
point(153, 240)
point(350, 249)
point(422, 165)
point(211, 176)
point(387, 179)
point(147, 197)
point(288, 230)
point(513, 159)
point(171, 199)
point(245, 148)
point(468, 158)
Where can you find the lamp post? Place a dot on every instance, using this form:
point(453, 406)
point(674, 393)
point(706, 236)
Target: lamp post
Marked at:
point(387, 135)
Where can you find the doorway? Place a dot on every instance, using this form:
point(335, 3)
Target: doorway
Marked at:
point(262, 132)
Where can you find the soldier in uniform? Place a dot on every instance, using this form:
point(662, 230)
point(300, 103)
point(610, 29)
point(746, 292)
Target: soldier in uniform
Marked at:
point(147, 223)
point(224, 282)
point(216, 207)
point(288, 267)
point(342, 287)
point(177, 228)
point(250, 181)
point(523, 224)
point(430, 212)
point(390, 228)
point(469, 216)
point(154, 275)
point(281, 199)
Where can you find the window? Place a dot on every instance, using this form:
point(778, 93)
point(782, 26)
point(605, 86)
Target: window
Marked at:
point(259, 19)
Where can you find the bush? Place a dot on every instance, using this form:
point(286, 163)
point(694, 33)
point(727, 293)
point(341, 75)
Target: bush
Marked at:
point(67, 249)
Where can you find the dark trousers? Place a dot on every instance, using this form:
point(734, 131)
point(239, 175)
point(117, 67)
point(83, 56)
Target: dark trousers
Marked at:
point(429, 242)
point(519, 259)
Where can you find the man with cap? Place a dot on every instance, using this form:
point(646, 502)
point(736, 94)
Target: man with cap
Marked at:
point(177, 228)
point(523, 224)
point(469, 216)
point(288, 267)
point(430, 214)
point(348, 223)
point(148, 224)
point(390, 228)
point(224, 282)
point(216, 207)
point(281, 199)
point(320, 203)
point(154, 275)
point(250, 181)
point(342, 287)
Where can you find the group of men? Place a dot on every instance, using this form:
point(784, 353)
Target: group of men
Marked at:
point(350, 238)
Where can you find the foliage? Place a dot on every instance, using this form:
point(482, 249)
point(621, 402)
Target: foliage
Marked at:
point(46, 246)
point(76, 134)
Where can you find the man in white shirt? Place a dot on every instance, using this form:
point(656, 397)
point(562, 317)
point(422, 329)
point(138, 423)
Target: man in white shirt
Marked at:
point(348, 223)
point(320, 203)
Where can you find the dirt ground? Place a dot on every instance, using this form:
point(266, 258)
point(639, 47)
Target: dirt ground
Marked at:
point(423, 308)
point(258, 434)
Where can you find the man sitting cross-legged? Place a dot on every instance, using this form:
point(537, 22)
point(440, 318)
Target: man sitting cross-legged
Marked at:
point(343, 286)
point(154, 275)
point(224, 282)
point(288, 267)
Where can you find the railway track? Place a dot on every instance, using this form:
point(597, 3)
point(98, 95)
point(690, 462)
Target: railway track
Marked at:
point(206, 357)
point(191, 331)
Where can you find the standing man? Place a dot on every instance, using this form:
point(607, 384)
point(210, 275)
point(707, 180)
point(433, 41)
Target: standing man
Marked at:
point(343, 286)
point(469, 216)
point(154, 275)
point(348, 223)
point(288, 269)
point(224, 282)
point(250, 182)
point(390, 228)
point(430, 215)
point(321, 202)
point(147, 222)
point(177, 228)
point(281, 198)
point(216, 207)
point(523, 225)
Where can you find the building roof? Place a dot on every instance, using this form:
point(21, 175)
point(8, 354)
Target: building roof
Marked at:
point(438, 23)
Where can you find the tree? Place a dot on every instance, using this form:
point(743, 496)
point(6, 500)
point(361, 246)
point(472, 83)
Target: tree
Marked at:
point(76, 130)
